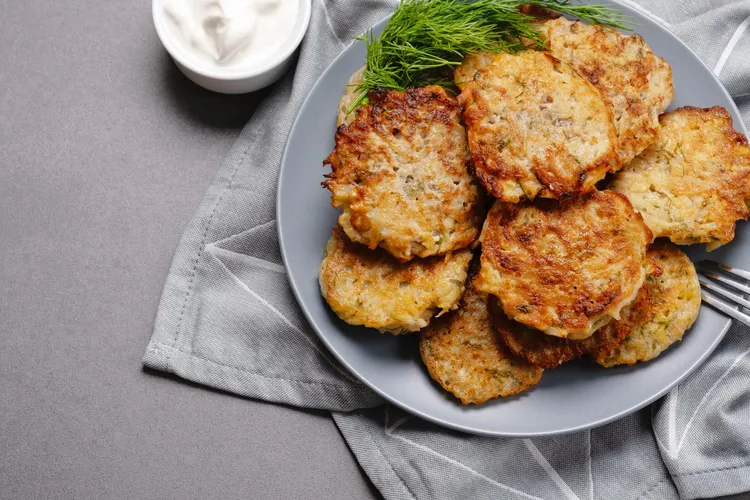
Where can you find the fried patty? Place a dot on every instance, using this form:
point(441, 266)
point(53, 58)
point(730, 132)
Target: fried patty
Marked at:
point(537, 129)
point(471, 68)
point(400, 172)
point(693, 183)
point(371, 288)
point(565, 270)
point(464, 355)
point(634, 82)
point(350, 96)
point(666, 306)
point(544, 350)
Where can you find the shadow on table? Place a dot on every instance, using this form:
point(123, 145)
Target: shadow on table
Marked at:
point(209, 108)
point(322, 413)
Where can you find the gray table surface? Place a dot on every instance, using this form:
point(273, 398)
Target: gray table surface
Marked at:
point(105, 151)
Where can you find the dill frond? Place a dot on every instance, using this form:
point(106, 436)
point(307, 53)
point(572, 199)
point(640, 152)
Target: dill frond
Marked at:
point(425, 39)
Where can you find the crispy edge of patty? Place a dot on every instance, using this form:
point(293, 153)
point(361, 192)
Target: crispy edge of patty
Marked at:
point(727, 186)
point(667, 306)
point(464, 355)
point(532, 275)
point(544, 350)
point(390, 296)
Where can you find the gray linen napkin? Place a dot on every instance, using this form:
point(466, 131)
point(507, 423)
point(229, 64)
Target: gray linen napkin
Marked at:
point(228, 320)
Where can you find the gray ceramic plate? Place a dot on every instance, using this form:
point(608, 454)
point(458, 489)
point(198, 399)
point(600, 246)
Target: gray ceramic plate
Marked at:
point(573, 397)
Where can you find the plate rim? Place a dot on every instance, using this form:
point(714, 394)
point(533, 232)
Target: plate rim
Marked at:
point(405, 405)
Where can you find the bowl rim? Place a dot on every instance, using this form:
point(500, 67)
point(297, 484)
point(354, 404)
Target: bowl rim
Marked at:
point(231, 74)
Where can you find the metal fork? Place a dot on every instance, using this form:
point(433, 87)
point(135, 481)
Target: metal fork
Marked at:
point(721, 296)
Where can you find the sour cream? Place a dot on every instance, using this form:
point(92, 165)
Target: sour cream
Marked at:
point(231, 33)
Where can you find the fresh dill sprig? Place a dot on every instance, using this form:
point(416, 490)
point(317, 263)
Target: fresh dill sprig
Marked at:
point(425, 39)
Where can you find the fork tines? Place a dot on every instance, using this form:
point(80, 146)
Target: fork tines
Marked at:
point(721, 287)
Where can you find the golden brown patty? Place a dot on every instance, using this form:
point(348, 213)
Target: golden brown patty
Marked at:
point(400, 172)
point(536, 128)
point(544, 350)
point(693, 183)
point(350, 95)
point(635, 83)
point(666, 306)
point(564, 271)
point(464, 355)
point(371, 288)
point(471, 68)
point(473, 64)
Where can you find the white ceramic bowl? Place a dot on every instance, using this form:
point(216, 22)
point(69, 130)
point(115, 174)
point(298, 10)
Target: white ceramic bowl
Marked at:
point(232, 80)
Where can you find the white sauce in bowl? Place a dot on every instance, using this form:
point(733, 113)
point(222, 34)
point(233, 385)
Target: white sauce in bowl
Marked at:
point(231, 33)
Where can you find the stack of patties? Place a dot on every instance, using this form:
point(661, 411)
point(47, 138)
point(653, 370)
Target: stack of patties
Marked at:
point(410, 210)
point(583, 280)
point(566, 270)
